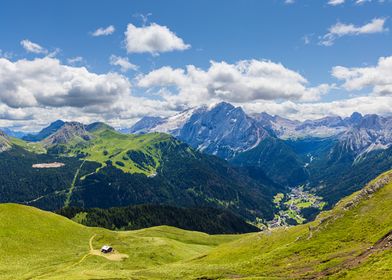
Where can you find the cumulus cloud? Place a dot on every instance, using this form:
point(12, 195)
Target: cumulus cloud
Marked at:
point(7, 113)
point(103, 31)
point(378, 77)
point(122, 62)
point(244, 81)
point(341, 29)
point(33, 47)
point(152, 39)
point(36, 92)
point(47, 82)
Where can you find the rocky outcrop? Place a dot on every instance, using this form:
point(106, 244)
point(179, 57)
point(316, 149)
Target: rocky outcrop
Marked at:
point(368, 190)
point(66, 133)
point(5, 143)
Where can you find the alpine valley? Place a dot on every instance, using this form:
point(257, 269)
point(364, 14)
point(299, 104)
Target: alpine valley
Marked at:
point(266, 171)
point(315, 162)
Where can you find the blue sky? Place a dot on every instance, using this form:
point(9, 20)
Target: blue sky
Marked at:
point(281, 33)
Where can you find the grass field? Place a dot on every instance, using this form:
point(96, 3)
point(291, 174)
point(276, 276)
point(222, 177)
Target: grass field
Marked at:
point(351, 241)
point(109, 145)
point(34, 147)
point(41, 245)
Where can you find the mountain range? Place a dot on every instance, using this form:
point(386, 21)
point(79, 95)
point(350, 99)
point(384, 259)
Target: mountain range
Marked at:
point(93, 166)
point(314, 153)
point(210, 156)
point(226, 130)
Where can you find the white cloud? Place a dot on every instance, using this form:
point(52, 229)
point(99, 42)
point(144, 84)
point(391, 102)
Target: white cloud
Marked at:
point(244, 81)
point(47, 82)
point(335, 2)
point(152, 39)
point(75, 60)
point(341, 29)
point(378, 77)
point(357, 2)
point(33, 47)
point(7, 113)
point(36, 92)
point(103, 31)
point(122, 62)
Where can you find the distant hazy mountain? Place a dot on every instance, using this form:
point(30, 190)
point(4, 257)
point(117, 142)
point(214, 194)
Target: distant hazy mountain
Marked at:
point(358, 133)
point(52, 128)
point(13, 133)
point(143, 125)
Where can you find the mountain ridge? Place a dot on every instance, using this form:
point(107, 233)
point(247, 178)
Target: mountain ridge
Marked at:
point(99, 167)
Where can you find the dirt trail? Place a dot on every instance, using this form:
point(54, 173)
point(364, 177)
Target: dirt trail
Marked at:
point(112, 256)
point(90, 242)
point(385, 243)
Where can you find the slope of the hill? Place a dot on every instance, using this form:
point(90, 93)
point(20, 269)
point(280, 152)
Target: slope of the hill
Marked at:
point(94, 166)
point(182, 177)
point(351, 241)
point(21, 181)
point(35, 244)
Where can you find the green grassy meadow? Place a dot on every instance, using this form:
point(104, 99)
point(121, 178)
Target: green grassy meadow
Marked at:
point(41, 245)
point(109, 145)
point(36, 244)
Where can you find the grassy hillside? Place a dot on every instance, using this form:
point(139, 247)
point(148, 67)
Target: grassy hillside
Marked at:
point(130, 153)
point(101, 168)
point(351, 241)
point(158, 169)
point(41, 245)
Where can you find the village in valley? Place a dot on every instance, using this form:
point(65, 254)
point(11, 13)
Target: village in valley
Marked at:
point(292, 206)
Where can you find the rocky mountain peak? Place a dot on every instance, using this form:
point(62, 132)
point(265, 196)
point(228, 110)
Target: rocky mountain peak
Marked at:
point(355, 118)
point(45, 132)
point(67, 132)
